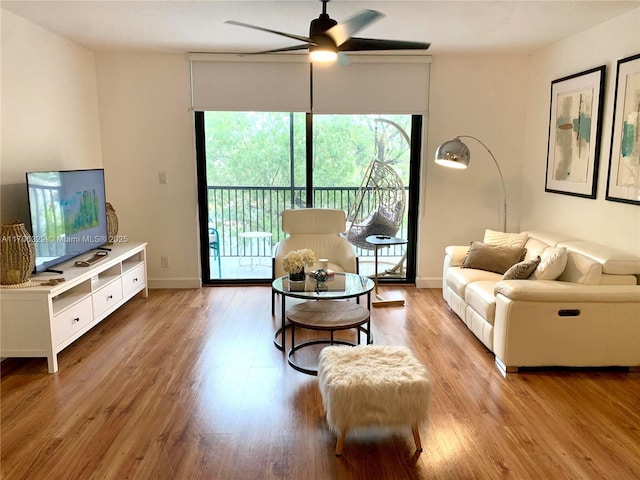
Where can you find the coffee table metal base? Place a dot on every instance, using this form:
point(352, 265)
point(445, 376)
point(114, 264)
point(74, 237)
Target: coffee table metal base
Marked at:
point(310, 370)
point(330, 316)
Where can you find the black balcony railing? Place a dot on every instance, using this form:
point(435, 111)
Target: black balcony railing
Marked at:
point(235, 210)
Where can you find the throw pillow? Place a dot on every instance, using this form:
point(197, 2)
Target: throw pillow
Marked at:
point(492, 258)
point(554, 260)
point(370, 218)
point(492, 237)
point(522, 270)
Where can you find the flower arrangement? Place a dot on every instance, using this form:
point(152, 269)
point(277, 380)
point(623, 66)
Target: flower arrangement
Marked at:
point(296, 260)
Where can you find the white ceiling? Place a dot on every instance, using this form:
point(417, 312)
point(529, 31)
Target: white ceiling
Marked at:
point(452, 26)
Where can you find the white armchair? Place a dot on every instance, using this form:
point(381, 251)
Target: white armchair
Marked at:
point(318, 229)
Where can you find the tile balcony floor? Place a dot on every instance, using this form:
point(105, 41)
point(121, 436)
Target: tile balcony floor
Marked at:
point(242, 268)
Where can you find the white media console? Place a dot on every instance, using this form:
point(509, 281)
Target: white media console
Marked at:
point(41, 321)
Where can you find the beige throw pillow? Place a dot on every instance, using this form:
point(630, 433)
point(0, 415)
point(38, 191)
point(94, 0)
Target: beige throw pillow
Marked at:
point(521, 270)
point(492, 237)
point(492, 258)
point(552, 264)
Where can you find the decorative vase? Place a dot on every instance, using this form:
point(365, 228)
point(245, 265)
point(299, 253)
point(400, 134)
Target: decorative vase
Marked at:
point(321, 276)
point(297, 281)
point(17, 254)
point(112, 223)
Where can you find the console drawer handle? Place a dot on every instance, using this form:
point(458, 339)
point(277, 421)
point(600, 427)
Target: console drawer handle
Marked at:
point(76, 320)
point(109, 297)
point(569, 313)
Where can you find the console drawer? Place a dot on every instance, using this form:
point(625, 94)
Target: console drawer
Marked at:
point(71, 320)
point(107, 297)
point(133, 280)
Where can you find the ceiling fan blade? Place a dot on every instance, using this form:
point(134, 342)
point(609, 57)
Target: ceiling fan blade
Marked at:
point(355, 44)
point(255, 27)
point(284, 49)
point(343, 31)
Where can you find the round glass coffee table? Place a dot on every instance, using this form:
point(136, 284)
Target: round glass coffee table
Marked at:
point(339, 287)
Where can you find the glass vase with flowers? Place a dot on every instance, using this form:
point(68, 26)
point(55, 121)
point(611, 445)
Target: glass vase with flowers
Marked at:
point(294, 264)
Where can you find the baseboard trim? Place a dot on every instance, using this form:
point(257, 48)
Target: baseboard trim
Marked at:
point(189, 283)
point(425, 282)
point(429, 282)
point(504, 369)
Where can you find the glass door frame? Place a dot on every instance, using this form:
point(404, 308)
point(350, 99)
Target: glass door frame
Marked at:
point(412, 205)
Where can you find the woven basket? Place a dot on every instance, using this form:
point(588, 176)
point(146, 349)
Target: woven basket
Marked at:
point(17, 254)
point(112, 223)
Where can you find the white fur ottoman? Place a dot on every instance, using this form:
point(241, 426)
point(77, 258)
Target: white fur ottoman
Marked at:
point(371, 385)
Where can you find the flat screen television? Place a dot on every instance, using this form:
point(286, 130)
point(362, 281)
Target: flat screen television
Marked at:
point(68, 214)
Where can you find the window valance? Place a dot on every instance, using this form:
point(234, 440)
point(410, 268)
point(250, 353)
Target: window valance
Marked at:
point(370, 84)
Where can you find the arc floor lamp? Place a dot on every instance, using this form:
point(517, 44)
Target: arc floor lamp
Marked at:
point(455, 154)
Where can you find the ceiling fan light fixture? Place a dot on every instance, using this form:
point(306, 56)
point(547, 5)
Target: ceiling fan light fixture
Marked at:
point(324, 50)
point(323, 55)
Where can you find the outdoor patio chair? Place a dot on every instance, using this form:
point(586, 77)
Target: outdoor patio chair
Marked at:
point(214, 247)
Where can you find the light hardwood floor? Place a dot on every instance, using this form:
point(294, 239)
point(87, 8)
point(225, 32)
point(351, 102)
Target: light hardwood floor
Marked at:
point(188, 385)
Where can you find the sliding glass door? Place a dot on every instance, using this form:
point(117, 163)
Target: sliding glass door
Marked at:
point(253, 165)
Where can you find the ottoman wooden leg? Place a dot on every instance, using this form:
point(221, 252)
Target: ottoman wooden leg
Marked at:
point(416, 437)
point(339, 444)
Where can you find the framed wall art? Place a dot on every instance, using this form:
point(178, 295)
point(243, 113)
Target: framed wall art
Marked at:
point(623, 182)
point(575, 121)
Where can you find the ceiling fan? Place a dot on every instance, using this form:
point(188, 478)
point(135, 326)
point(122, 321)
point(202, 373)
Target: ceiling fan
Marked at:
point(328, 39)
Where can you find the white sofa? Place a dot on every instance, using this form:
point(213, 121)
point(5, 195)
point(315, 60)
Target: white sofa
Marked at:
point(588, 316)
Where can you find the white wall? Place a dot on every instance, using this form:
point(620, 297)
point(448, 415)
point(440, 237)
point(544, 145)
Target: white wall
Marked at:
point(505, 102)
point(53, 118)
point(147, 128)
point(49, 107)
point(141, 125)
point(483, 97)
point(598, 220)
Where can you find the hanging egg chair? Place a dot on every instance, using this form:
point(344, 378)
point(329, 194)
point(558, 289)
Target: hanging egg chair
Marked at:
point(378, 207)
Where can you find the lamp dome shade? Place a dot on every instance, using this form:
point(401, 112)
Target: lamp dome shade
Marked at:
point(453, 154)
